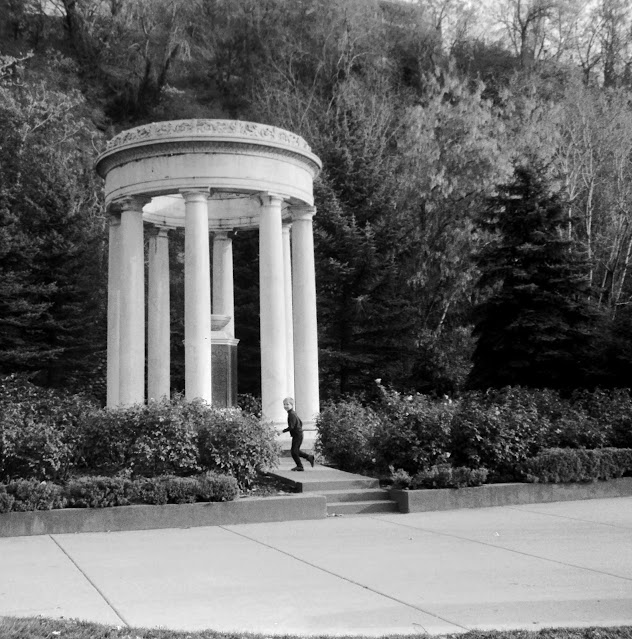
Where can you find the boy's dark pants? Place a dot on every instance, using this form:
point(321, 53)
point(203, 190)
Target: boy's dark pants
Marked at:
point(296, 451)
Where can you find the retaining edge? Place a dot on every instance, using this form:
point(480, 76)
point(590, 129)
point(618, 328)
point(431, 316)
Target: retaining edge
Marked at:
point(247, 510)
point(488, 495)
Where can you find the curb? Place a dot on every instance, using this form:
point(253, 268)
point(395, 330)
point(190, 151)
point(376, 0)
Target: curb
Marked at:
point(488, 495)
point(247, 510)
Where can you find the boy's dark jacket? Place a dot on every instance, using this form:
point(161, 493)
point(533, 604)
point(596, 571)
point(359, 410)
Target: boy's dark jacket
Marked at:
point(294, 423)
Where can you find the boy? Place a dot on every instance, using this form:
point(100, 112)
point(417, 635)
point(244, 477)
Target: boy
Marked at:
point(295, 428)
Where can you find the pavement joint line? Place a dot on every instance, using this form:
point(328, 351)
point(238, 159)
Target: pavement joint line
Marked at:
point(78, 567)
point(588, 521)
point(505, 548)
point(351, 581)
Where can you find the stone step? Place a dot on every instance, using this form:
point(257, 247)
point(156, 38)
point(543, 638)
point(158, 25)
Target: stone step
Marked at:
point(377, 494)
point(361, 507)
point(327, 485)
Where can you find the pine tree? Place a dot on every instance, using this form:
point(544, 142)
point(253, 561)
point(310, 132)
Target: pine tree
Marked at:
point(535, 327)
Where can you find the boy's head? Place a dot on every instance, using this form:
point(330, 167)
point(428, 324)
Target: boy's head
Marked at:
point(288, 403)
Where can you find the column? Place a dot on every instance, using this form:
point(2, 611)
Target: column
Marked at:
point(158, 316)
point(272, 311)
point(132, 310)
point(114, 304)
point(305, 327)
point(223, 293)
point(197, 297)
point(289, 331)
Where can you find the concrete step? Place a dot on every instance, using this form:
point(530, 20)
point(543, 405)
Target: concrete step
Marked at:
point(361, 507)
point(327, 485)
point(377, 494)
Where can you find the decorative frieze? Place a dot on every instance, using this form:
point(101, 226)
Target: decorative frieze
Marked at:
point(207, 128)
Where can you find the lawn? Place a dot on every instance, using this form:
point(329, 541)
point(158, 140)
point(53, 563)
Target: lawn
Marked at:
point(38, 628)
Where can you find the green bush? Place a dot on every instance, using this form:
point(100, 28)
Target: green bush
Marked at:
point(440, 476)
point(347, 433)
point(216, 487)
point(30, 494)
point(38, 430)
point(150, 440)
point(233, 443)
point(6, 500)
point(98, 492)
point(497, 433)
point(414, 431)
point(562, 465)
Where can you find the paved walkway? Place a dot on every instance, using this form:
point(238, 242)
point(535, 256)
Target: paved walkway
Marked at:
point(562, 564)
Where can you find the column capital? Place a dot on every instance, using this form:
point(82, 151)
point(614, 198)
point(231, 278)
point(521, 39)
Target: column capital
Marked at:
point(129, 203)
point(286, 227)
point(269, 198)
point(221, 235)
point(302, 213)
point(195, 195)
point(158, 230)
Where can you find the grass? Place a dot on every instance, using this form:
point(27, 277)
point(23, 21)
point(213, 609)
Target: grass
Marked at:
point(39, 628)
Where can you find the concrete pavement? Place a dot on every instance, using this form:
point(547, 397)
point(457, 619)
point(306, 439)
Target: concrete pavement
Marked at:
point(556, 564)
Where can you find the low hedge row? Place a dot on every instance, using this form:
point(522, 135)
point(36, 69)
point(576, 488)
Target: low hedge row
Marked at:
point(50, 436)
point(440, 476)
point(561, 465)
point(497, 430)
point(23, 495)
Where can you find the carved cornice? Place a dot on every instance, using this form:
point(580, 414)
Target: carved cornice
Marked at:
point(207, 128)
point(166, 147)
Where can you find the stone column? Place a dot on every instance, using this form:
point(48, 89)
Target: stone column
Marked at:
point(158, 316)
point(197, 297)
point(114, 305)
point(132, 310)
point(272, 311)
point(223, 294)
point(305, 327)
point(289, 331)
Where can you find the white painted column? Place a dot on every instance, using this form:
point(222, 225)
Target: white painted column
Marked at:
point(132, 310)
point(158, 317)
point(305, 326)
point(114, 304)
point(272, 311)
point(197, 297)
point(289, 330)
point(223, 289)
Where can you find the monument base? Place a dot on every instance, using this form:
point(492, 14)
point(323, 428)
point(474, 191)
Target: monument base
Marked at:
point(224, 369)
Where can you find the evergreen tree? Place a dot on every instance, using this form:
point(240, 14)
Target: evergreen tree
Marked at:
point(535, 327)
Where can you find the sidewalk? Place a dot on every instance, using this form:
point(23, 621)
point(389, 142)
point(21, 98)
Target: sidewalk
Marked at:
point(560, 564)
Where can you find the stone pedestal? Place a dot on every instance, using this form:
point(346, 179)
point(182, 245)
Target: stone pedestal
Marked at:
point(224, 356)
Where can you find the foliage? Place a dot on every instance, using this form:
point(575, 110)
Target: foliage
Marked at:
point(414, 431)
point(347, 431)
point(38, 429)
point(148, 440)
point(560, 465)
point(496, 436)
point(233, 442)
point(440, 476)
point(105, 492)
point(534, 329)
point(30, 494)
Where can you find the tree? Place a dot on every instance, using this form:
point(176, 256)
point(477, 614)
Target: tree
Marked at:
point(52, 238)
point(535, 327)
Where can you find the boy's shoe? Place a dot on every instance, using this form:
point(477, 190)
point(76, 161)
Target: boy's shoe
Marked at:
point(312, 460)
point(297, 468)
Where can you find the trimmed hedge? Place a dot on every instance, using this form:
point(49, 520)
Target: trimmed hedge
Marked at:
point(562, 465)
point(105, 492)
point(440, 476)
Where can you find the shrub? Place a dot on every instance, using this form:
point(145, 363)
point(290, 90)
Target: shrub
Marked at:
point(30, 494)
point(38, 430)
point(249, 404)
point(98, 492)
point(215, 487)
point(149, 440)
point(6, 500)
point(414, 431)
point(232, 442)
point(346, 435)
point(446, 476)
point(561, 465)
